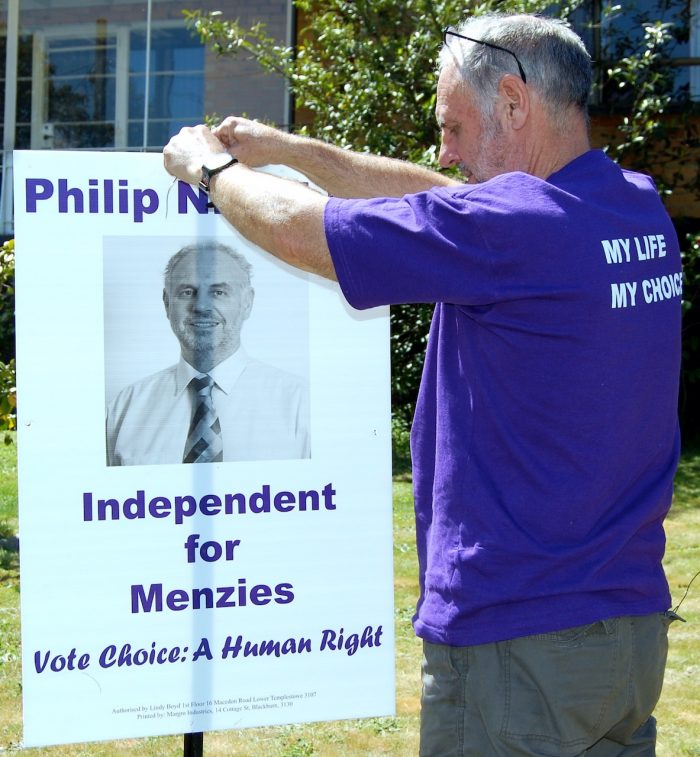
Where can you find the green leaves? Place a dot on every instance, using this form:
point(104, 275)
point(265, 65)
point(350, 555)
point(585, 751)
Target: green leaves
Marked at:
point(645, 74)
point(8, 399)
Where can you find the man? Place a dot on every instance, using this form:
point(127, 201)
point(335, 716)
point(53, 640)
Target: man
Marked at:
point(216, 404)
point(545, 439)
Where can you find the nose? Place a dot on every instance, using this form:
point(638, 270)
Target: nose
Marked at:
point(201, 302)
point(447, 156)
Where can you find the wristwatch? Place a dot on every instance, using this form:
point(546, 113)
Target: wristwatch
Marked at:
point(208, 172)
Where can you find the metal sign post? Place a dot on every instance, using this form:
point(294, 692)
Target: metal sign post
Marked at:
point(194, 745)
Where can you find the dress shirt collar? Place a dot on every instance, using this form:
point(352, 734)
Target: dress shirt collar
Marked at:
point(225, 374)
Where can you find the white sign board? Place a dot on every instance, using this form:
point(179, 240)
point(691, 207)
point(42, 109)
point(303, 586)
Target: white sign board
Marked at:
point(160, 597)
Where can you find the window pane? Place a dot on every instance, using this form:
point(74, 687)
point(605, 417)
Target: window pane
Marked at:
point(24, 100)
point(81, 88)
point(176, 84)
point(181, 96)
point(159, 132)
point(82, 99)
point(84, 135)
point(82, 62)
point(171, 50)
point(23, 137)
point(612, 35)
point(134, 136)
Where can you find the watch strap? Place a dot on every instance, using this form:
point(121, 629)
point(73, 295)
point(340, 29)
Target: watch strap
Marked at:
point(208, 173)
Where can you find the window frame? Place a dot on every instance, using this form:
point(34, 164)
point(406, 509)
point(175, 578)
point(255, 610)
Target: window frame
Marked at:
point(597, 35)
point(42, 38)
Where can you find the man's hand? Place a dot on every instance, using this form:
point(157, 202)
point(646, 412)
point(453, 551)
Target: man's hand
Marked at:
point(188, 151)
point(251, 142)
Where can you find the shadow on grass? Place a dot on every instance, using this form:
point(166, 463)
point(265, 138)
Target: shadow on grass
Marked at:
point(400, 452)
point(9, 565)
point(9, 553)
point(687, 484)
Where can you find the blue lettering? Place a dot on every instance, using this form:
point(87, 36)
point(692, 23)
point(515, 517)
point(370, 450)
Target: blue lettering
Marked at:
point(100, 197)
point(128, 656)
point(350, 644)
point(145, 602)
point(197, 198)
point(142, 207)
point(59, 662)
point(65, 194)
point(35, 190)
point(202, 649)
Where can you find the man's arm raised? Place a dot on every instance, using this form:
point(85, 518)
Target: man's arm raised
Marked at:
point(341, 173)
point(283, 217)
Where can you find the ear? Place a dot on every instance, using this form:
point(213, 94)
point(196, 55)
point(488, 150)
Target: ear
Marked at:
point(515, 101)
point(166, 303)
point(248, 298)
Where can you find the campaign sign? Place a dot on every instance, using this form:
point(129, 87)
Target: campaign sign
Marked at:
point(204, 467)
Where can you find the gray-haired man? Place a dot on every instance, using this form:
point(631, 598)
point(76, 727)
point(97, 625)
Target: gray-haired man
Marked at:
point(546, 437)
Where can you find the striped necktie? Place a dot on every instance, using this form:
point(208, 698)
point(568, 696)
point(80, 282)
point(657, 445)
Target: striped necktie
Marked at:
point(204, 444)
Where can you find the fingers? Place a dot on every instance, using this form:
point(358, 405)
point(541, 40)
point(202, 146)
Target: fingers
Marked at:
point(225, 131)
point(188, 150)
point(240, 136)
point(253, 143)
point(207, 137)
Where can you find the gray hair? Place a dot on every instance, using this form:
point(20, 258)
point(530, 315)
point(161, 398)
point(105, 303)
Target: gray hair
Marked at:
point(237, 257)
point(554, 58)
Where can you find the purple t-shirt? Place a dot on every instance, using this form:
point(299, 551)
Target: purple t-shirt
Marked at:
point(545, 439)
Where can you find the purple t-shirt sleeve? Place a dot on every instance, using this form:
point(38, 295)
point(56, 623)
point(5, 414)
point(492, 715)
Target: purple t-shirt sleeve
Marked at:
point(389, 251)
point(462, 245)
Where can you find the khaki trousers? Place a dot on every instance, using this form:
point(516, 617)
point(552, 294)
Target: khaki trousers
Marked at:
point(589, 690)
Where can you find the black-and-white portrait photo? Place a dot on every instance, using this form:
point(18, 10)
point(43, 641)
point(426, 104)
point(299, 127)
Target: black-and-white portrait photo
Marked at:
point(204, 357)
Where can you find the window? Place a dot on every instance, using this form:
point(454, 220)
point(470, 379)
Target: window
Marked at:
point(85, 87)
point(79, 90)
point(612, 31)
point(24, 90)
point(176, 84)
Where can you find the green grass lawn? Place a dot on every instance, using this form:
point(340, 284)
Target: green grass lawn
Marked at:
point(678, 712)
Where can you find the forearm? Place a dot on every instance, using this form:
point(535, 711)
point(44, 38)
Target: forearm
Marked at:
point(281, 216)
point(343, 173)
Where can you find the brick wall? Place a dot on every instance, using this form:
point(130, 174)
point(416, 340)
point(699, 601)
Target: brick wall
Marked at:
point(238, 85)
point(680, 204)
